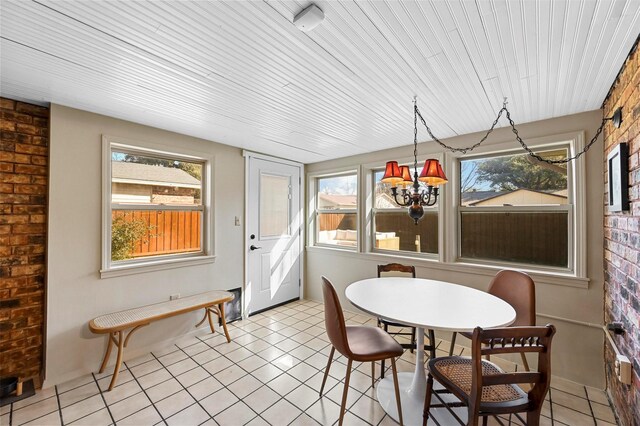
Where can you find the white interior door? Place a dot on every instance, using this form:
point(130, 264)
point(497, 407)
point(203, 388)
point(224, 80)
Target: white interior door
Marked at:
point(274, 234)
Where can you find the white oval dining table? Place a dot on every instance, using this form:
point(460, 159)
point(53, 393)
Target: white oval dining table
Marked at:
point(424, 304)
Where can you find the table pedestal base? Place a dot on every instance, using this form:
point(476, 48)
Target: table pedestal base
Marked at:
point(413, 402)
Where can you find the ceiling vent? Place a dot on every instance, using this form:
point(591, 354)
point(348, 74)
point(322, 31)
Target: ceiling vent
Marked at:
point(309, 18)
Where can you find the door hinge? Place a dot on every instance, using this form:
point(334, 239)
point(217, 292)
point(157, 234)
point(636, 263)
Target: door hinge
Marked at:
point(299, 282)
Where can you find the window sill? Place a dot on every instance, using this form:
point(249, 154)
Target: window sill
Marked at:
point(541, 277)
point(152, 266)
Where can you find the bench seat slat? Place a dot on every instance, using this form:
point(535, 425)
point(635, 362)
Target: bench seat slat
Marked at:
point(131, 317)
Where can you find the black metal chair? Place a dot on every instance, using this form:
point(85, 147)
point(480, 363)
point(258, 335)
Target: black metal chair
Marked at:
point(385, 324)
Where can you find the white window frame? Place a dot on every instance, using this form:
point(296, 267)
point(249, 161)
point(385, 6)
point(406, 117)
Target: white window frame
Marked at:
point(160, 262)
point(575, 208)
point(313, 180)
point(371, 246)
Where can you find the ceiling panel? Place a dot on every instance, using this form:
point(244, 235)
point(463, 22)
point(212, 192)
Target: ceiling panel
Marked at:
point(240, 73)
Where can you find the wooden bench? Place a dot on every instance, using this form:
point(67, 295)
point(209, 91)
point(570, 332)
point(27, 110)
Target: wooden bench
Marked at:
point(116, 324)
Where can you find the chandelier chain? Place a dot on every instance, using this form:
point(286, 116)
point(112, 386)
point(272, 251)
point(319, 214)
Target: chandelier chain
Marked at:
point(513, 129)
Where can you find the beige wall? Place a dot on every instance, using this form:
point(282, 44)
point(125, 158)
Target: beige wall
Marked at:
point(76, 294)
point(578, 348)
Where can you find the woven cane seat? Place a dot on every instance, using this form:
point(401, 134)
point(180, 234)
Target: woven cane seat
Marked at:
point(457, 372)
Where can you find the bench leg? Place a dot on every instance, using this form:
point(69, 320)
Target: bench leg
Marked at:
point(116, 369)
point(224, 321)
point(206, 311)
point(107, 354)
point(208, 315)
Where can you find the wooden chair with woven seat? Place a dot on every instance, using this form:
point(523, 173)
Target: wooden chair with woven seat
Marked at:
point(517, 289)
point(356, 343)
point(397, 268)
point(483, 387)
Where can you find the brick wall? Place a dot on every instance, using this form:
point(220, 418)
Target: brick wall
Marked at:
point(24, 150)
point(622, 241)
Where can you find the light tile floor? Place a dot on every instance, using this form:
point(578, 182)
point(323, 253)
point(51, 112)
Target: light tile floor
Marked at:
point(269, 374)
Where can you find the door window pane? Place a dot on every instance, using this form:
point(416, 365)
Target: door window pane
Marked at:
point(274, 205)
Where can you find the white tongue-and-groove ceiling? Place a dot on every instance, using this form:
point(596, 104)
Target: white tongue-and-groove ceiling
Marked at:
point(240, 73)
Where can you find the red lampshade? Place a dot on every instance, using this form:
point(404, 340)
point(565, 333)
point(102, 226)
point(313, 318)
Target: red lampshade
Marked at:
point(392, 174)
point(406, 176)
point(432, 173)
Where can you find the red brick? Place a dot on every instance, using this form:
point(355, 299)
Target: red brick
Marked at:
point(6, 188)
point(13, 178)
point(31, 149)
point(13, 218)
point(28, 229)
point(7, 104)
point(20, 271)
point(40, 140)
point(29, 189)
point(29, 129)
point(15, 199)
point(30, 170)
point(17, 117)
point(38, 160)
point(29, 209)
point(7, 125)
point(6, 167)
point(36, 110)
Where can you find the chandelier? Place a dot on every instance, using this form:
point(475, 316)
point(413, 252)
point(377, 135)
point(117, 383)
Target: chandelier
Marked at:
point(414, 195)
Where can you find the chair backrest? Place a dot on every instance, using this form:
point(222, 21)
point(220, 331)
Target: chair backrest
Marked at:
point(334, 318)
point(512, 340)
point(517, 289)
point(396, 267)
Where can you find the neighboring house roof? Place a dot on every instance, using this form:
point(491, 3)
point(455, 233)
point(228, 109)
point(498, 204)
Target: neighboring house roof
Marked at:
point(331, 200)
point(471, 197)
point(525, 197)
point(145, 174)
point(385, 201)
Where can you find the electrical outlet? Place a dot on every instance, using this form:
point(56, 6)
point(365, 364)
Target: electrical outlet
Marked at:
point(174, 296)
point(237, 221)
point(623, 369)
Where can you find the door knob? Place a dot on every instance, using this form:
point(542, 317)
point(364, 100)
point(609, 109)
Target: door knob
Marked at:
point(254, 247)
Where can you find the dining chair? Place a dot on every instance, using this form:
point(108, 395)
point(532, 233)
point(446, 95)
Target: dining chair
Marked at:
point(483, 387)
point(356, 343)
point(398, 269)
point(517, 289)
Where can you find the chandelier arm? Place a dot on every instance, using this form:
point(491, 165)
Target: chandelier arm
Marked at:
point(515, 132)
point(563, 160)
point(467, 149)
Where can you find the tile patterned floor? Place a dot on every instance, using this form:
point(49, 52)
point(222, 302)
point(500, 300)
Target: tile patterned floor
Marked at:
point(268, 375)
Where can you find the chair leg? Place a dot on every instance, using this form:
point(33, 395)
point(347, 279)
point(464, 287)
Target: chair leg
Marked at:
point(524, 361)
point(533, 418)
point(326, 370)
point(344, 393)
point(453, 343)
point(432, 344)
point(373, 374)
point(413, 338)
point(397, 389)
point(485, 420)
point(427, 400)
point(386, 329)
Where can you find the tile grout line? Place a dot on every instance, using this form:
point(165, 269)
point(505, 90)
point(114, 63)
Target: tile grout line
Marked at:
point(145, 392)
point(59, 406)
point(593, 416)
point(185, 389)
point(223, 385)
point(103, 399)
